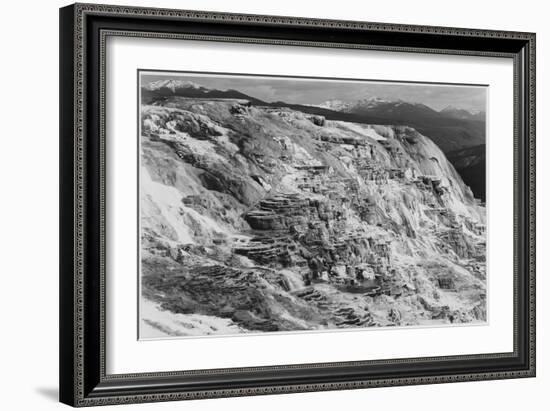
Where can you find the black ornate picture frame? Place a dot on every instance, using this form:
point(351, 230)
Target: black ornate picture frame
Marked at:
point(84, 29)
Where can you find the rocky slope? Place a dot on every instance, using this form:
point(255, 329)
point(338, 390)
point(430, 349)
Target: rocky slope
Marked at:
point(261, 218)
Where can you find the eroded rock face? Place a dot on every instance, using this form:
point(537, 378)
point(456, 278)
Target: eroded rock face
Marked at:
point(274, 220)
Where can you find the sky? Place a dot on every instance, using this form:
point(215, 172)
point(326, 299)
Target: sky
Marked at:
point(317, 91)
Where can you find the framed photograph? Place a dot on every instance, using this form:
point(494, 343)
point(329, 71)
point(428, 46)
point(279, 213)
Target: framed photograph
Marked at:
point(260, 204)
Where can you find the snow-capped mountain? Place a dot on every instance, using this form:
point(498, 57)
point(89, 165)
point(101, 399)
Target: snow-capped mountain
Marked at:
point(172, 84)
point(376, 105)
point(451, 129)
point(336, 105)
point(462, 113)
point(161, 89)
point(353, 106)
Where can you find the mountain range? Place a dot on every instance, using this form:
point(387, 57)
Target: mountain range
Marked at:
point(181, 88)
point(464, 114)
point(451, 128)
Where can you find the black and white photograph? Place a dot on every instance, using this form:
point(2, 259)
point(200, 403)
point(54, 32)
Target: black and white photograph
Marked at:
point(283, 204)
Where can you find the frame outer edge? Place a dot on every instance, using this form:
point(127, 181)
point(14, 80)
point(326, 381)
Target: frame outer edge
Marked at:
point(67, 331)
point(72, 191)
point(244, 18)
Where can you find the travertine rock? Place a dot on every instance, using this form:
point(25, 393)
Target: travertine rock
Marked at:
point(273, 219)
